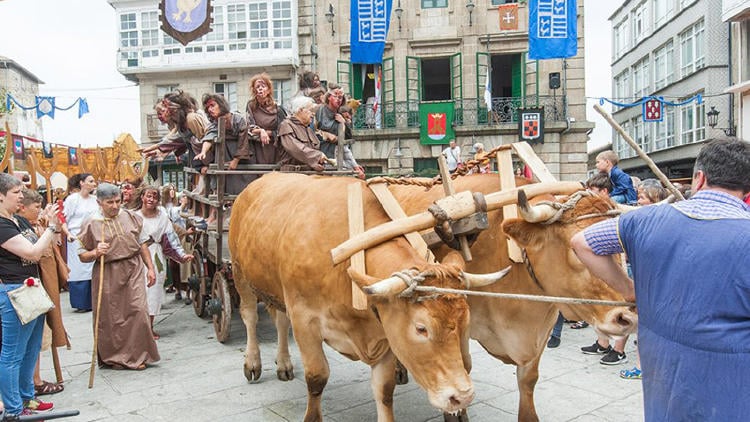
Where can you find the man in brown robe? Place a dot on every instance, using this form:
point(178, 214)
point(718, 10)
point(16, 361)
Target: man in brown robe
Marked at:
point(124, 331)
point(300, 144)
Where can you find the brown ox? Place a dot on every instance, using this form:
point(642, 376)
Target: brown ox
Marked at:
point(282, 229)
point(516, 331)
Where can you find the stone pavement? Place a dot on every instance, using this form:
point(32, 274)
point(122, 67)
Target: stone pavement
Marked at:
point(200, 379)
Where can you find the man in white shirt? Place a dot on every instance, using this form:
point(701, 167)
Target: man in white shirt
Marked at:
point(452, 156)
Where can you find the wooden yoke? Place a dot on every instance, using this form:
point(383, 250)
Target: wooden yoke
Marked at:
point(5, 163)
point(46, 174)
point(450, 191)
point(357, 226)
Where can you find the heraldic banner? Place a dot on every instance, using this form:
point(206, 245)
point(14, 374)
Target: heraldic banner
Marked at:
point(436, 122)
point(370, 22)
point(531, 125)
point(185, 21)
point(553, 32)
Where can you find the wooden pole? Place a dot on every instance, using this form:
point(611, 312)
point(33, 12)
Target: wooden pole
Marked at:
point(56, 364)
point(649, 162)
point(96, 322)
point(450, 191)
point(357, 226)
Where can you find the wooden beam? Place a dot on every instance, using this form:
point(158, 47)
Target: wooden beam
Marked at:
point(357, 226)
point(508, 181)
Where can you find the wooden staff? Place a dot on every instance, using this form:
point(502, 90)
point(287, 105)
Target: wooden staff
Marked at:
point(662, 177)
point(96, 322)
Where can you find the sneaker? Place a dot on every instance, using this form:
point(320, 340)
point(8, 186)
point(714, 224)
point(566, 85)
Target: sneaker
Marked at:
point(631, 374)
point(37, 405)
point(596, 349)
point(553, 342)
point(613, 357)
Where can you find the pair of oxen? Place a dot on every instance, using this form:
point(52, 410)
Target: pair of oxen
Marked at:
point(282, 231)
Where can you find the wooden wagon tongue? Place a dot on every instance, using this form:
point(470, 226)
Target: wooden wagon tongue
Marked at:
point(455, 206)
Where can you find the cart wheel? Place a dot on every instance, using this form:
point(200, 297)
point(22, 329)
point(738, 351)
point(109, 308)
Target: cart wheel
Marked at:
point(197, 282)
point(221, 304)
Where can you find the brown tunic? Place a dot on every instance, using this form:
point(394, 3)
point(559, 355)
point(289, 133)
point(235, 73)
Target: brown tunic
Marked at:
point(53, 272)
point(300, 145)
point(268, 120)
point(124, 329)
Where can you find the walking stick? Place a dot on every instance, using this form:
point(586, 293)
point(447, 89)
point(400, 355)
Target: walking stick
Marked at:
point(96, 322)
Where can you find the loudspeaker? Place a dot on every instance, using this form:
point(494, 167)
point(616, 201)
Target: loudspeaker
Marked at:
point(554, 80)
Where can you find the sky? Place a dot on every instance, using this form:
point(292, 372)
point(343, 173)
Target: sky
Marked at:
point(71, 45)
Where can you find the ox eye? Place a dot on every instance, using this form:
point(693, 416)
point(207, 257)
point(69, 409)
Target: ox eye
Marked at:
point(421, 330)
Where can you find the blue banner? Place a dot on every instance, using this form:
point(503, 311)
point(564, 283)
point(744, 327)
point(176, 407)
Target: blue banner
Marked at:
point(553, 32)
point(370, 22)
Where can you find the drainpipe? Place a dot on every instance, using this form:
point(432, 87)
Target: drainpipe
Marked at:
point(729, 66)
point(314, 39)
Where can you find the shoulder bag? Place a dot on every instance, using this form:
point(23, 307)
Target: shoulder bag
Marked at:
point(30, 300)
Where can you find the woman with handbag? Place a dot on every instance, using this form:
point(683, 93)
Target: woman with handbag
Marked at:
point(21, 342)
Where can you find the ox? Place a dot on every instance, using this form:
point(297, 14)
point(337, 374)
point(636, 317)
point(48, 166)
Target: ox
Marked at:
point(516, 331)
point(281, 231)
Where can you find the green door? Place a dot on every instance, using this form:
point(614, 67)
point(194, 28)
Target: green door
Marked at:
point(516, 74)
point(457, 88)
point(388, 93)
point(413, 89)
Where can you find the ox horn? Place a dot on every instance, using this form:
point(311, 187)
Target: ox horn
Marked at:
point(536, 213)
point(472, 281)
point(390, 286)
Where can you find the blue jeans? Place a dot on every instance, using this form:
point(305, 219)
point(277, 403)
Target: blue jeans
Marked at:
point(21, 344)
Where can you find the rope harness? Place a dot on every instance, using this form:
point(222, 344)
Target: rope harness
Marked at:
point(412, 278)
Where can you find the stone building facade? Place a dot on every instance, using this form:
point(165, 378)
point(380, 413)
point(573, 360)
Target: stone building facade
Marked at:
point(24, 87)
point(675, 49)
point(436, 51)
point(737, 14)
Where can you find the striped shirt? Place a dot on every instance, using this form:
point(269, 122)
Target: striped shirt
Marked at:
point(604, 237)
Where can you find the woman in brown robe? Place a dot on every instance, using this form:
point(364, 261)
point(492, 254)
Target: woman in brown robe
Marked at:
point(124, 332)
point(300, 145)
point(263, 119)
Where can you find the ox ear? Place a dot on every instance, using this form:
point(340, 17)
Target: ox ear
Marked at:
point(524, 233)
point(455, 259)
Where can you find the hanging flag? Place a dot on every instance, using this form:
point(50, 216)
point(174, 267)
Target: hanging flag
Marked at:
point(18, 147)
point(652, 110)
point(47, 150)
point(83, 107)
point(531, 125)
point(185, 21)
point(45, 106)
point(73, 156)
point(370, 21)
point(508, 16)
point(553, 32)
point(436, 122)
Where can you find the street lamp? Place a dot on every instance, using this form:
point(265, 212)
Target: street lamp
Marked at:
point(713, 118)
point(470, 7)
point(329, 17)
point(399, 11)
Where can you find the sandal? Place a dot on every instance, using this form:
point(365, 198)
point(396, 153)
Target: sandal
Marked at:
point(48, 388)
point(631, 374)
point(580, 324)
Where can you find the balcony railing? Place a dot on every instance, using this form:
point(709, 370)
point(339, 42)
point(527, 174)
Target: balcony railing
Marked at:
point(467, 112)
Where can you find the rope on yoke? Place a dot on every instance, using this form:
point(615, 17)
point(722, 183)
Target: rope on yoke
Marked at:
point(412, 279)
point(533, 298)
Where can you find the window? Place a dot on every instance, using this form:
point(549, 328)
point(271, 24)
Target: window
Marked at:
point(664, 65)
point(622, 148)
point(641, 79)
point(499, 2)
point(640, 22)
point(664, 137)
point(229, 91)
point(432, 4)
point(217, 34)
point(162, 90)
point(622, 86)
point(237, 25)
point(662, 11)
point(641, 134)
point(282, 90)
point(691, 49)
point(282, 24)
point(436, 80)
point(149, 29)
point(193, 49)
point(128, 32)
point(258, 25)
point(693, 122)
point(621, 38)
point(130, 58)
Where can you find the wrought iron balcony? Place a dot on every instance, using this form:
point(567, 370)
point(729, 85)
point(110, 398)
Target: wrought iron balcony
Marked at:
point(467, 112)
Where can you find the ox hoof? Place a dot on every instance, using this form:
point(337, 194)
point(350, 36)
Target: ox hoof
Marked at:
point(252, 373)
point(285, 374)
point(402, 375)
point(462, 416)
